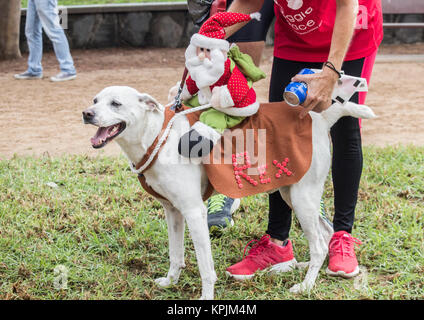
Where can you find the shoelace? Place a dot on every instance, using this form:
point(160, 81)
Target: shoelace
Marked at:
point(344, 245)
point(216, 203)
point(258, 247)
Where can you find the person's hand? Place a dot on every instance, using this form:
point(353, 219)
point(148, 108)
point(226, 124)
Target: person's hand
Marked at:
point(320, 88)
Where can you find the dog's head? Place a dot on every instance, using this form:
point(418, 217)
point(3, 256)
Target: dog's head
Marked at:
point(119, 112)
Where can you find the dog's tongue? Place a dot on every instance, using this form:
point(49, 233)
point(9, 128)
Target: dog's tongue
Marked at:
point(100, 136)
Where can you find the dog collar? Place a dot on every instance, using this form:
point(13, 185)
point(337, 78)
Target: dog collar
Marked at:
point(152, 152)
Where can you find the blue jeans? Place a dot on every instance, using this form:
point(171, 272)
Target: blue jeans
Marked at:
point(43, 14)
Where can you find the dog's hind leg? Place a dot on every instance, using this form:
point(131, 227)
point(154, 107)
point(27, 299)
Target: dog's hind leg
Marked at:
point(306, 204)
point(197, 223)
point(176, 226)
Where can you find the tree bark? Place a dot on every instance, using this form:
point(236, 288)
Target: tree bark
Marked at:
point(10, 20)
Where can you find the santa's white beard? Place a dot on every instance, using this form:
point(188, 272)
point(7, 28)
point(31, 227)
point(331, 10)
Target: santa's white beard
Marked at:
point(207, 72)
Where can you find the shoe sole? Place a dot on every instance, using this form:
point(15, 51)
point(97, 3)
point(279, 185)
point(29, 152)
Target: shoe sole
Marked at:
point(28, 78)
point(218, 229)
point(343, 274)
point(277, 268)
point(62, 80)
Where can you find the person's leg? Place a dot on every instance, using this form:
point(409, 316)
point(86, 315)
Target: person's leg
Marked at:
point(347, 159)
point(34, 35)
point(346, 174)
point(346, 170)
point(280, 217)
point(47, 11)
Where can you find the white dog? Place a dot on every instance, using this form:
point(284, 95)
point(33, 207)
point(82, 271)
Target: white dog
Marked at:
point(134, 120)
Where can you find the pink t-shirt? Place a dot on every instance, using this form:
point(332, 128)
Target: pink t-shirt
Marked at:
point(303, 29)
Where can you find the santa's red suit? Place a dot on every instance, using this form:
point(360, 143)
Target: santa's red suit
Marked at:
point(229, 95)
point(236, 87)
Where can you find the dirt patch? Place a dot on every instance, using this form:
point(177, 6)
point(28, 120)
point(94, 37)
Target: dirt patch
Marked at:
point(42, 117)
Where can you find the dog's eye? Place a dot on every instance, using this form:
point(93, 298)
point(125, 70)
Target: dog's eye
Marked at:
point(116, 104)
point(95, 100)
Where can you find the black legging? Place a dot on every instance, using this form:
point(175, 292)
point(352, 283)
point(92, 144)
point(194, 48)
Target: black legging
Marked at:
point(347, 154)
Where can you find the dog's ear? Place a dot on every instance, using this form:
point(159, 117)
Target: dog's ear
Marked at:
point(149, 102)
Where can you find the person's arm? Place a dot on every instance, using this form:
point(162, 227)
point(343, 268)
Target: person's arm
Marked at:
point(320, 86)
point(242, 6)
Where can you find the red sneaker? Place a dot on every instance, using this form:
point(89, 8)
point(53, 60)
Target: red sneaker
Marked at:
point(265, 254)
point(342, 260)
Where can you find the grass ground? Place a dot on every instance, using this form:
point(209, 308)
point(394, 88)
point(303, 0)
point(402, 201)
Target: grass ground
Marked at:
point(111, 237)
point(85, 2)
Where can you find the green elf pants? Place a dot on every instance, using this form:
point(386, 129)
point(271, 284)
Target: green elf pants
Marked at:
point(214, 118)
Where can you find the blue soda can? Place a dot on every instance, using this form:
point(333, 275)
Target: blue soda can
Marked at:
point(295, 93)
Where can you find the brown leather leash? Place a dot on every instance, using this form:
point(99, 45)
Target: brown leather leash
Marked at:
point(176, 106)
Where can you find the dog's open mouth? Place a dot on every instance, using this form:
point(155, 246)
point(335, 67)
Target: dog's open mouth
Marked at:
point(107, 134)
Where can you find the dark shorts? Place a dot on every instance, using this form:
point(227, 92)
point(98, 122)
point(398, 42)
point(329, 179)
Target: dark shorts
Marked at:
point(255, 30)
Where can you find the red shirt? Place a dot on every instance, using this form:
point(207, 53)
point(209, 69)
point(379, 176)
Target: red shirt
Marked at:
point(303, 29)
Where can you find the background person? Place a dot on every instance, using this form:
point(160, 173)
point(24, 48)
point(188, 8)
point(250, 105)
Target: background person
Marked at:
point(251, 40)
point(43, 14)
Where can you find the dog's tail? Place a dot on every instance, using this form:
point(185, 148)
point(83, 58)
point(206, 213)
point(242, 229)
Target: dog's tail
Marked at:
point(337, 110)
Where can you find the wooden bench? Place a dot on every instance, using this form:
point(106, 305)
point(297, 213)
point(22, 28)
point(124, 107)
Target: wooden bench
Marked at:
point(403, 7)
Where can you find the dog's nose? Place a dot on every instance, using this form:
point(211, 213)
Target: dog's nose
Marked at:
point(88, 115)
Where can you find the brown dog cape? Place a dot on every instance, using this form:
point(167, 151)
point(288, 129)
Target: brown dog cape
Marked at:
point(268, 150)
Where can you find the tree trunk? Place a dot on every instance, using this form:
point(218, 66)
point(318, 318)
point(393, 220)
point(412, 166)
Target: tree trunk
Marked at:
point(10, 20)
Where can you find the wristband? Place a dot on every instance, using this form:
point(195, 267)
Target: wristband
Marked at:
point(332, 67)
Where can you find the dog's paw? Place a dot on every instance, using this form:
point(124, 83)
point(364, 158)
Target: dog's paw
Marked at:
point(300, 288)
point(302, 265)
point(164, 282)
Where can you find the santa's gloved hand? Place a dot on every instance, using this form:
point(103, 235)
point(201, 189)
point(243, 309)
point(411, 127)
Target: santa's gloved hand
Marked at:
point(221, 98)
point(215, 98)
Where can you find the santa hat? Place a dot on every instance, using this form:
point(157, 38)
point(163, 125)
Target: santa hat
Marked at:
point(212, 33)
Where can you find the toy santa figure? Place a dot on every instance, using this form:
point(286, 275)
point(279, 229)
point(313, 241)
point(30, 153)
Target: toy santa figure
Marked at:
point(215, 79)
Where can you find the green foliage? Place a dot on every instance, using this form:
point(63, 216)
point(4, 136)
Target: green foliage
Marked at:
point(112, 237)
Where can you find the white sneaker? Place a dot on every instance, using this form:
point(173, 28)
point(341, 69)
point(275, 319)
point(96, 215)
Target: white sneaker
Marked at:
point(63, 76)
point(28, 76)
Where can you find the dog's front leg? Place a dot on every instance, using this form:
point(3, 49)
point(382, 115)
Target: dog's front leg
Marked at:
point(197, 224)
point(176, 226)
point(306, 202)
